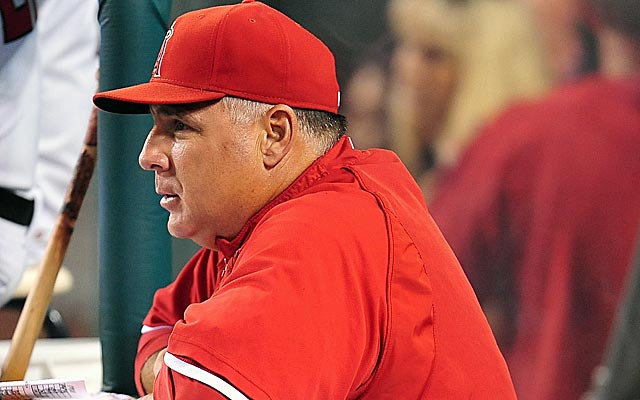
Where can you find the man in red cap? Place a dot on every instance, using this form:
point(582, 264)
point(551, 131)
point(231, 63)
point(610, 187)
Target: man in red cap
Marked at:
point(321, 273)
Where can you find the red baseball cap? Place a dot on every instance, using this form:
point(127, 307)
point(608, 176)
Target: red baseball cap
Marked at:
point(247, 50)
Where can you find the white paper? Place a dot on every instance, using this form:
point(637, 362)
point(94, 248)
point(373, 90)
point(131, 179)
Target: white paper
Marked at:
point(53, 389)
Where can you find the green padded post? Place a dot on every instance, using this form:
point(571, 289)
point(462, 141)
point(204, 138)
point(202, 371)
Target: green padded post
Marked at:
point(135, 247)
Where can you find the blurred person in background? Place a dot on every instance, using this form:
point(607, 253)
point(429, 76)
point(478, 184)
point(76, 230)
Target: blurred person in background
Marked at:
point(568, 41)
point(456, 64)
point(543, 209)
point(365, 97)
point(47, 77)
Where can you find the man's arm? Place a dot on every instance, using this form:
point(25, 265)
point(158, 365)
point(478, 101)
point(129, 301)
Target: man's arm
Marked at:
point(184, 381)
point(194, 284)
point(150, 369)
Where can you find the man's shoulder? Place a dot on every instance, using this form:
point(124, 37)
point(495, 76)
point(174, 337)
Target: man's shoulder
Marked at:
point(565, 113)
point(573, 99)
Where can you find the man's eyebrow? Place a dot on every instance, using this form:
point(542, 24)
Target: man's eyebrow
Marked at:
point(180, 109)
point(164, 109)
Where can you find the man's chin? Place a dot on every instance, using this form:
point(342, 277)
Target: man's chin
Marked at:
point(177, 230)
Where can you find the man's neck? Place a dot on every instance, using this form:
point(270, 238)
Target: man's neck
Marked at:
point(619, 55)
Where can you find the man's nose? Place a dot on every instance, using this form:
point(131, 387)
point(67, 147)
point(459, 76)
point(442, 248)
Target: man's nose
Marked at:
point(152, 157)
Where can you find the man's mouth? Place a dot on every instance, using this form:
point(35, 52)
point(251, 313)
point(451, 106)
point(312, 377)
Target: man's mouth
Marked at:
point(168, 201)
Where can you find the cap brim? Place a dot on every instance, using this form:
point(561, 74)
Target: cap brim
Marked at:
point(137, 99)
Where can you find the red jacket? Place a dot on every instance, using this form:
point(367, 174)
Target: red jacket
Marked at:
point(543, 211)
point(340, 288)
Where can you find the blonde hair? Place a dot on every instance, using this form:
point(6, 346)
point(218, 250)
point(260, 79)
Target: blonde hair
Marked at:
point(498, 58)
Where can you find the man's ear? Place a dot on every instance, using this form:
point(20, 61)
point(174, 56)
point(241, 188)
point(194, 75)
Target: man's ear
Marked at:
point(277, 138)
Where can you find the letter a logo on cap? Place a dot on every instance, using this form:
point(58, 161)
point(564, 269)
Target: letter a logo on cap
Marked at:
point(158, 64)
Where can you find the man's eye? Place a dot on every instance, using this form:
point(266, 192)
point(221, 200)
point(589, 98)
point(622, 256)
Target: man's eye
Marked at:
point(180, 126)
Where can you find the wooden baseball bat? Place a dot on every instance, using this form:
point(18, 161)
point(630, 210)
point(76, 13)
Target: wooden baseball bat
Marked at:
point(37, 303)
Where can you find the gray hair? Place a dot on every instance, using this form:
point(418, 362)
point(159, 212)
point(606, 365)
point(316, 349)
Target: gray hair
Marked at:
point(320, 129)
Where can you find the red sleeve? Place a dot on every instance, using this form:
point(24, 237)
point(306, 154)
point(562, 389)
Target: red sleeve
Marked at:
point(150, 342)
point(176, 384)
point(194, 284)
